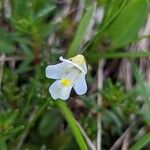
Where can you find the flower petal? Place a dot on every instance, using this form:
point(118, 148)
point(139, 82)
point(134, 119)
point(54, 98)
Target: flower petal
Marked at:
point(84, 67)
point(58, 91)
point(57, 71)
point(80, 86)
point(71, 63)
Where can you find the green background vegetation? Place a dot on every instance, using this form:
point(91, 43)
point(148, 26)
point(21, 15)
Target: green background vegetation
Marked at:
point(34, 34)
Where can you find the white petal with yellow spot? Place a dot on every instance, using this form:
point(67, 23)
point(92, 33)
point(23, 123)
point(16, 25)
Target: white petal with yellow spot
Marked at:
point(68, 74)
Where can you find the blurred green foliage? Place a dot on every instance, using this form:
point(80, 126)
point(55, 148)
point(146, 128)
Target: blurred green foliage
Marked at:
point(34, 35)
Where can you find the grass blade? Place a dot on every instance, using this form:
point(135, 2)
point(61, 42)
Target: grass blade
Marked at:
point(72, 123)
point(141, 143)
point(124, 29)
point(94, 57)
point(81, 31)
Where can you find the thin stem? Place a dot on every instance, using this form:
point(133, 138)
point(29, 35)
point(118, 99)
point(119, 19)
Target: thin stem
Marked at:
point(1, 69)
point(12, 58)
point(32, 118)
point(72, 123)
point(120, 139)
point(24, 135)
point(99, 103)
point(87, 139)
point(126, 142)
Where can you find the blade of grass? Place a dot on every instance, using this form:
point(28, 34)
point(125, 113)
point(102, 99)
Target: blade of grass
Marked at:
point(72, 123)
point(146, 99)
point(113, 55)
point(81, 31)
point(141, 143)
point(129, 54)
point(139, 79)
point(105, 25)
point(98, 36)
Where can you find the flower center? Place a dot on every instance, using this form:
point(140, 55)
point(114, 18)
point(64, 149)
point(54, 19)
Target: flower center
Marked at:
point(79, 59)
point(65, 82)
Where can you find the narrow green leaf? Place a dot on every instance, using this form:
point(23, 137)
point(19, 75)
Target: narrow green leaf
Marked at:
point(72, 123)
point(44, 11)
point(140, 81)
point(12, 132)
point(111, 13)
point(5, 46)
point(3, 145)
point(111, 10)
point(124, 29)
point(94, 57)
point(146, 99)
point(28, 55)
point(5, 42)
point(81, 31)
point(141, 143)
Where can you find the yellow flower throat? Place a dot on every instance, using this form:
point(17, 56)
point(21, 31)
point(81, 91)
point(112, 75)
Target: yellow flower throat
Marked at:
point(65, 82)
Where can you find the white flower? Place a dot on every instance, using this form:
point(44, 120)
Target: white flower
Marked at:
point(68, 74)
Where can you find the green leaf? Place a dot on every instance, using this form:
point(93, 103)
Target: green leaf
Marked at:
point(5, 42)
point(140, 81)
point(5, 46)
point(124, 29)
point(11, 132)
point(112, 10)
point(72, 123)
point(25, 65)
point(94, 57)
point(3, 145)
point(141, 143)
point(7, 119)
point(46, 126)
point(44, 11)
point(81, 31)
